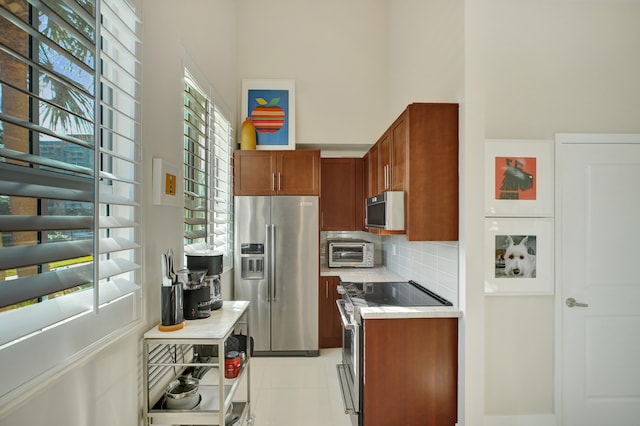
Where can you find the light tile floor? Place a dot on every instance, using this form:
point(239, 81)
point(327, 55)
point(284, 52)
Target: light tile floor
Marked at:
point(294, 391)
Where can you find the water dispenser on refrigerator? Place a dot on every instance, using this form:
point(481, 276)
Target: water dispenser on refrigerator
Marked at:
point(252, 261)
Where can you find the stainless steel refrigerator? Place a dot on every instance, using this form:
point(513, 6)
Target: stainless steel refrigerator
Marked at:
point(276, 268)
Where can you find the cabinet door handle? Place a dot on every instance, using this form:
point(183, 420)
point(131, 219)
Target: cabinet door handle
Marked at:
point(386, 177)
point(326, 289)
point(279, 181)
point(273, 181)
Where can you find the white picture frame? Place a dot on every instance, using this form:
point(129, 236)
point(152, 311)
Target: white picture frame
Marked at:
point(271, 106)
point(519, 178)
point(519, 255)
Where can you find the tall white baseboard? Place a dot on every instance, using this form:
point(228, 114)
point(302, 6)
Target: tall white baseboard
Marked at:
point(522, 420)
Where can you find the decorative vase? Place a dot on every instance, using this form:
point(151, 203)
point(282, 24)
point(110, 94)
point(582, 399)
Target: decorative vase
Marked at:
point(248, 135)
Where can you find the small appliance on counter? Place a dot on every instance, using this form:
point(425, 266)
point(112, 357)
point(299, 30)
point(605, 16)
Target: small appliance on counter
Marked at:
point(212, 263)
point(196, 293)
point(350, 253)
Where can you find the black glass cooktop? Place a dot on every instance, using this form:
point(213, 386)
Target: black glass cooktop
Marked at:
point(405, 293)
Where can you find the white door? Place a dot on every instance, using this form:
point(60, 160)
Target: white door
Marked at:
point(599, 266)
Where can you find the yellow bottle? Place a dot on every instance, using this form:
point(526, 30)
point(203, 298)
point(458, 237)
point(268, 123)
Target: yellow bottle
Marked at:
point(248, 135)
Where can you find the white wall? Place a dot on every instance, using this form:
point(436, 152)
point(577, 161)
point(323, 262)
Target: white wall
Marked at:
point(561, 66)
point(551, 66)
point(335, 50)
point(200, 35)
point(101, 390)
point(426, 52)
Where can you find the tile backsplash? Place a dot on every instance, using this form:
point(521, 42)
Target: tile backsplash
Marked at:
point(432, 264)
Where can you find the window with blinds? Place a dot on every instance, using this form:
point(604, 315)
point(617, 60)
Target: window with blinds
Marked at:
point(207, 174)
point(69, 178)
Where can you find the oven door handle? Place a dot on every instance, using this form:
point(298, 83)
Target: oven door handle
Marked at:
point(345, 390)
point(346, 324)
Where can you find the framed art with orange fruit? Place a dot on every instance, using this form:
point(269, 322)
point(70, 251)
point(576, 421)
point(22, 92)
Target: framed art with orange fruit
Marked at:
point(270, 105)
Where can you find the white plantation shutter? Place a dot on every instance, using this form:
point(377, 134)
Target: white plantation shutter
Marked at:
point(47, 154)
point(222, 198)
point(208, 142)
point(120, 151)
point(196, 164)
point(70, 171)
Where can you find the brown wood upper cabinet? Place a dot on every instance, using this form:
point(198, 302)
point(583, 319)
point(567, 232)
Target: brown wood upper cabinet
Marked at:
point(392, 147)
point(276, 172)
point(371, 165)
point(341, 195)
point(418, 154)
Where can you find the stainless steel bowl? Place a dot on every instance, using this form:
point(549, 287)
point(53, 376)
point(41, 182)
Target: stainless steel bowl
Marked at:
point(182, 394)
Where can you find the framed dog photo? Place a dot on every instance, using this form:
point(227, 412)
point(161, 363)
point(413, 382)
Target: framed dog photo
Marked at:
point(519, 256)
point(519, 178)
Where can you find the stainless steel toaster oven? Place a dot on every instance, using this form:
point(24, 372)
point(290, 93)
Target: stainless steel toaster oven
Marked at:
point(350, 253)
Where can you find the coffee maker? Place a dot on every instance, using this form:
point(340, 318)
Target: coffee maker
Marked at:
point(213, 264)
point(196, 293)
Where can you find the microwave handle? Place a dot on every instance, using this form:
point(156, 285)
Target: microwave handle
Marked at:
point(366, 222)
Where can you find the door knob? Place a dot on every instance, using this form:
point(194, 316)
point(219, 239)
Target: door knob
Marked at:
point(571, 302)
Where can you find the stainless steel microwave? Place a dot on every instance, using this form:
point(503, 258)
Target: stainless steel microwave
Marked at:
point(386, 211)
point(350, 253)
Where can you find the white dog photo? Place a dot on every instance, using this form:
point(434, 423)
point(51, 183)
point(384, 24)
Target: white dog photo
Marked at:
point(517, 260)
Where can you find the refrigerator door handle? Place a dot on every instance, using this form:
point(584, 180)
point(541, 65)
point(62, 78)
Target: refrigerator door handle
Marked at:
point(268, 262)
point(272, 267)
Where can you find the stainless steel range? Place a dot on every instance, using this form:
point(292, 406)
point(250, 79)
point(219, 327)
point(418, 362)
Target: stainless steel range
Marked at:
point(355, 297)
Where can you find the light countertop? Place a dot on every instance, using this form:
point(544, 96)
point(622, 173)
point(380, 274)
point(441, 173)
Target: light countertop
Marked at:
point(362, 275)
point(217, 326)
point(391, 312)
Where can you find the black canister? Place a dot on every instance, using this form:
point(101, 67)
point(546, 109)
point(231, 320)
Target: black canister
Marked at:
point(172, 304)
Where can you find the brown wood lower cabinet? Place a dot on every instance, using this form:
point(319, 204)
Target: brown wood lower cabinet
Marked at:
point(410, 371)
point(330, 326)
